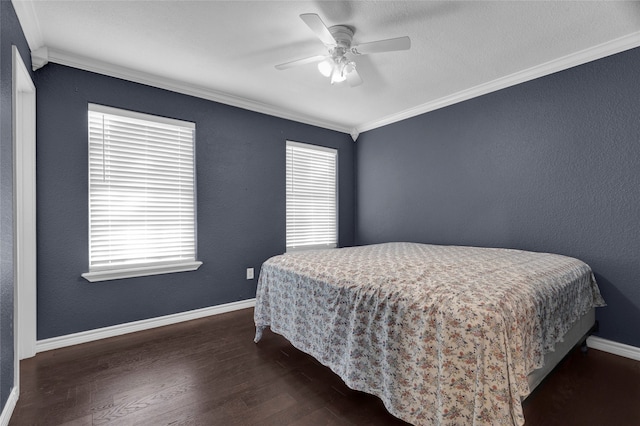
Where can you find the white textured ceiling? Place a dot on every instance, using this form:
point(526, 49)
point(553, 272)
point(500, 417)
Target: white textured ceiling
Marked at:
point(226, 50)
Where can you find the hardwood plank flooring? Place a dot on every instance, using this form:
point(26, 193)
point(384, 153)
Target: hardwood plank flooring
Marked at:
point(209, 372)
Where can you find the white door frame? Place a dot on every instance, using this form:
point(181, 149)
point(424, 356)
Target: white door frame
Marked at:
point(24, 166)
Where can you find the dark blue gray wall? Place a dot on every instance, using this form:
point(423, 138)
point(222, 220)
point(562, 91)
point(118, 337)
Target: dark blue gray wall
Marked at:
point(240, 160)
point(10, 34)
point(551, 165)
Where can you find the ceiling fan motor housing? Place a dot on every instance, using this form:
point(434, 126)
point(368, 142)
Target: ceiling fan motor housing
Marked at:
point(343, 36)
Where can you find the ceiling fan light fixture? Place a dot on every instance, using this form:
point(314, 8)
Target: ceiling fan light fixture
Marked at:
point(326, 67)
point(349, 67)
point(338, 76)
point(341, 68)
point(338, 40)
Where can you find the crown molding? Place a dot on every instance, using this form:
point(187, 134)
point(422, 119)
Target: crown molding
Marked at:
point(574, 59)
point(41, 55)
point(29, 22)
point(39, 58)
point(76, 61)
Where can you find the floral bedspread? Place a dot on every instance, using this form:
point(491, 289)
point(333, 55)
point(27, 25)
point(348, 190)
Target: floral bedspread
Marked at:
point(443, 335)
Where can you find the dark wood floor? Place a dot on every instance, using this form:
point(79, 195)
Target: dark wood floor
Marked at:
point(209, 372)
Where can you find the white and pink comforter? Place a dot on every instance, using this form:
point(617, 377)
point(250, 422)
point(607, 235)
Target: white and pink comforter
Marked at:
point(443, 335)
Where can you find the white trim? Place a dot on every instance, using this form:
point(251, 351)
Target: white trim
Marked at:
point(132, 327)
point(600, 51)
point(24, 149)
point(30, 25)
point(294, 249)
point(587, 55)
point(103, 109)
point(7, 411)
point(615, 348)
point(26, 12)
point(312, 147)
point(76, 61)
point(142, 271)
point(39, 58)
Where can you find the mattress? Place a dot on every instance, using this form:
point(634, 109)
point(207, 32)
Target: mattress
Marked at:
point(442, 334)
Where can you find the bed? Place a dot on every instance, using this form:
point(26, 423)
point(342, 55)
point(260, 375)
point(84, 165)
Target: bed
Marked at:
point(441, 334)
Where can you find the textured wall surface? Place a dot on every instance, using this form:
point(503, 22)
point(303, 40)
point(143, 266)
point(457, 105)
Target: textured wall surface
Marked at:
point(10, 35)
point(550, 165)
point(240, 161)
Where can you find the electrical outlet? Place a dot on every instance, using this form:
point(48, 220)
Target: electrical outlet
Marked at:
point(249, 273)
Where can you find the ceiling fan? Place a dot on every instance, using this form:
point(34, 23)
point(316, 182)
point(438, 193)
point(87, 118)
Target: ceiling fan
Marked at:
point(338, 64)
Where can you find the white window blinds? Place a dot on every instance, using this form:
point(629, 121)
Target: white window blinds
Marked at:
point(311, 196)
point(141, 190)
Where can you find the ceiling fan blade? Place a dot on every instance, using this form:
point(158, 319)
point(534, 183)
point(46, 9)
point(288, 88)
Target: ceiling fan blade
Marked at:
point(319, 28)
point(389, 45)
point(299, 62)
point(354, 79)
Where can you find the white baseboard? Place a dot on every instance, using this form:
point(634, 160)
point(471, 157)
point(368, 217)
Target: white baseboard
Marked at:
point(615, 348)
point(131, 327)
point(8, 407)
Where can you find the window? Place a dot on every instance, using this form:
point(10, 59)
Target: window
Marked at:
point(311, 196)
point(141, 195)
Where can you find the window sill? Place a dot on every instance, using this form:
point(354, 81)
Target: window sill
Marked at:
point(311, 247)
point(142, 271)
